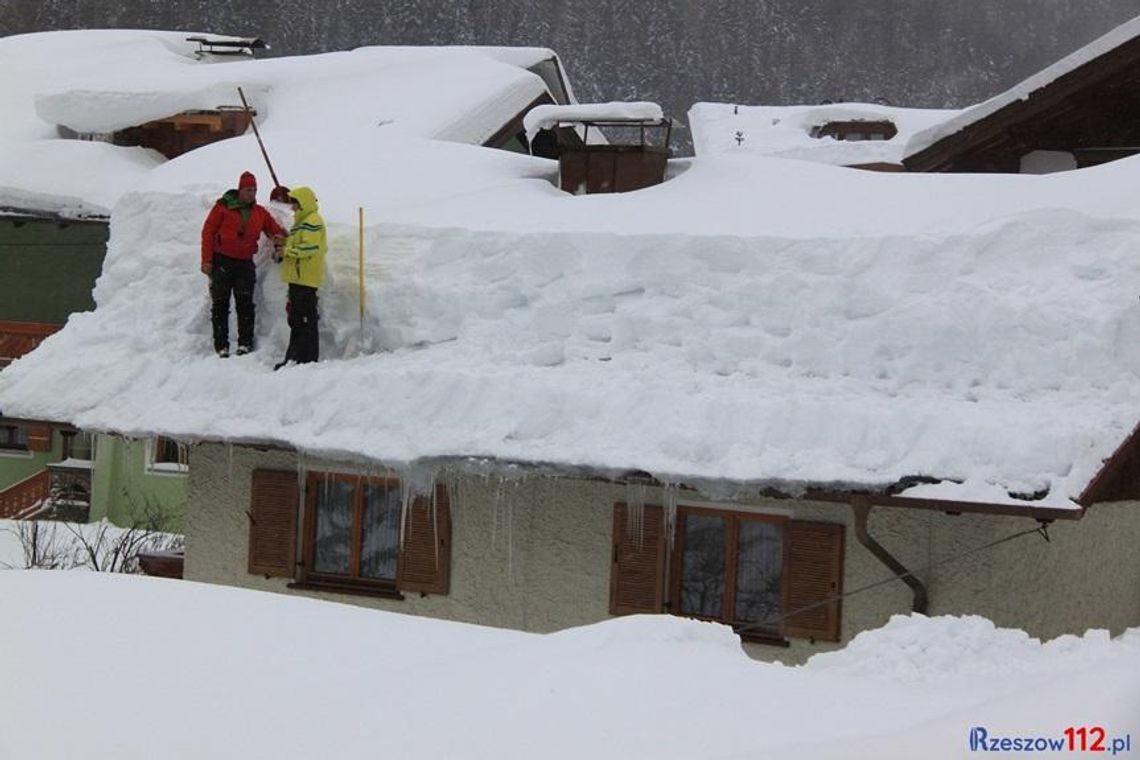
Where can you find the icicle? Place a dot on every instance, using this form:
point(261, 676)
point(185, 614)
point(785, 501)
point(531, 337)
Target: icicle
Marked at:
point(126, 472)
point(229, 467)
point(510, 532)
point(669, 499)
point(635, 511)
point(405, 505)
point(495, 513)
point(301, 474)
point(434, 522)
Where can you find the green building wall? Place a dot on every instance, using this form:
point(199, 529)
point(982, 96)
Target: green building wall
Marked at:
point(48, 267)
point(16, 466)
point(126, 490)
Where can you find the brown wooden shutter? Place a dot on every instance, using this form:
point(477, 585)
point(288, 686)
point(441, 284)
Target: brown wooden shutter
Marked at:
point(425, 558)
point(637, 572)
point(813, 572)
point(274, 497)
point(39, 437)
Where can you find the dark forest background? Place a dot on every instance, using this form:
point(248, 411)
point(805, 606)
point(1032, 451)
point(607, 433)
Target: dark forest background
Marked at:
point(931, 53)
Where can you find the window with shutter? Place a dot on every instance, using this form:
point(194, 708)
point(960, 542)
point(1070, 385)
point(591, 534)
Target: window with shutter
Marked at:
point(273, 523)
point(637, 570)
point(766, 575)
point(813, 563)
point(357, 538)
point(425, 558)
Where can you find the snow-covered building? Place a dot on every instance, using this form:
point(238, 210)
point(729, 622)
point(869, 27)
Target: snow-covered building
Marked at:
point(1078, 112)
point(95, 111)
point(783, 395)
point(860, 135)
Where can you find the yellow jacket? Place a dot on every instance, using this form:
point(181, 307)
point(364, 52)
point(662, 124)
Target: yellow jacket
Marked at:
point(305, 248)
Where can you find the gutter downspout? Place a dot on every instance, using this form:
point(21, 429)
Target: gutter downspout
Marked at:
point(861, 506)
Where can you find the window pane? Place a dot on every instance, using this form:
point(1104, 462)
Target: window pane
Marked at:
point(167, 451)
point(702, 566)
point(331, 550)
point(380, 539)
point(759, 571)
point(13, 436)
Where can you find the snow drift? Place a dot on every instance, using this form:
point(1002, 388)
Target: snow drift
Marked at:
point(207, 671)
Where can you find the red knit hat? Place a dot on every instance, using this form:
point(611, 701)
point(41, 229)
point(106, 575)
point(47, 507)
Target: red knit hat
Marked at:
point(247, 180)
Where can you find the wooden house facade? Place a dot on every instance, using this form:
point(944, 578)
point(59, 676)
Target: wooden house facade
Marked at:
point(1083, 111)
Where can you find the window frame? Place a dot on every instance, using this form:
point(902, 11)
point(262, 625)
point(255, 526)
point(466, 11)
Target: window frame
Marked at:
point(732, 520)
point(353, 582)
point(9, 446)
point(155, 466)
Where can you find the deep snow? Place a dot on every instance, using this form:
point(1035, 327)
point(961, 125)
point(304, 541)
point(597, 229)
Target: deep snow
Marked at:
point(752, 319)
point(177, 669)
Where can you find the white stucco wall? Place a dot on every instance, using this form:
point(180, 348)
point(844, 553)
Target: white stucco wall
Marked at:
point(534, 554)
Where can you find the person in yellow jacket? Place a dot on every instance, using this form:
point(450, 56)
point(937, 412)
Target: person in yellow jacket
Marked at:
point(303, 269)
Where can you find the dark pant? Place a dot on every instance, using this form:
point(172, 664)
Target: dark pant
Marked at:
point(304, 339)
point(237, 277)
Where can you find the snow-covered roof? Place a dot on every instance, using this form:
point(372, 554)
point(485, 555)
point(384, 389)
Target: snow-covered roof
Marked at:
point(100, 81)
point(924, 139)
point(787, 131)
point(548, 116)
point(751, 320)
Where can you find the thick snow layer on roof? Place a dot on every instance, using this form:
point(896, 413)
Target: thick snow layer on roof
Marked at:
point(97, 81)
point(71, 177)
point(234, 663)
point(751, 320)
point(549, 116)
point(436, 92)
point(786, 131)
point(924, 139)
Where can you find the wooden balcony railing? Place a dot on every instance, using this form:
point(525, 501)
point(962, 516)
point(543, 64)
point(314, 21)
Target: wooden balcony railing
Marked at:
point(21, 498)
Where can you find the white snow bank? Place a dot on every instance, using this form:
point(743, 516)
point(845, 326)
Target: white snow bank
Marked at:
point(550, 116)
point(249, 674)
point(786, 131)
point(976, 329)
point(915, 648)
point(924, 139)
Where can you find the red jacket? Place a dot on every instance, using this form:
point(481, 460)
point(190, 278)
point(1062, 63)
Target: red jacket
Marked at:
point(231, 233)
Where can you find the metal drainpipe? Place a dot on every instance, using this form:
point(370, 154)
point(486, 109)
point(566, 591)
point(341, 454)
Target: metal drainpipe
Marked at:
point(861, 506)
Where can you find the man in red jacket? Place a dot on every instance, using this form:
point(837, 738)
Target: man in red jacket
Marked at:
point(229, 240)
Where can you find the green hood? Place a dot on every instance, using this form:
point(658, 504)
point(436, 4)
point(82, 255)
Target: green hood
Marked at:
point(230, 200)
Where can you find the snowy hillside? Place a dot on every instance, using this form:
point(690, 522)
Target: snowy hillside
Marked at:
point(177, 670)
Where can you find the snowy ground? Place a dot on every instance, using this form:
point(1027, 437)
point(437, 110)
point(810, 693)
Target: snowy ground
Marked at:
point(175, 669)
point(85, 546)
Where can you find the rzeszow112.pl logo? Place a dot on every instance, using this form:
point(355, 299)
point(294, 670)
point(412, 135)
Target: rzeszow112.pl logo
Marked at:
point(1072, 739)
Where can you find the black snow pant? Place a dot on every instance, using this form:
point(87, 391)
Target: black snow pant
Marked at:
point(304, 339)
point(237, 277)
